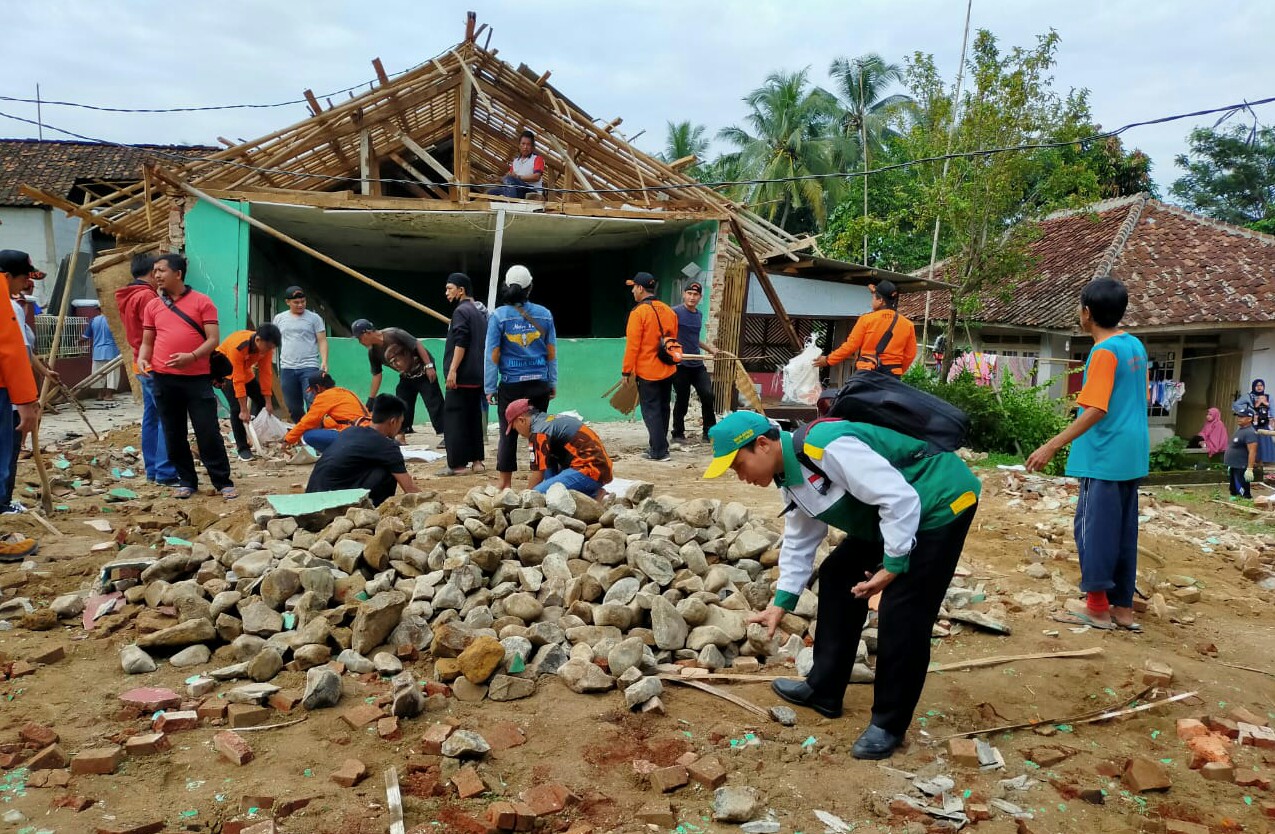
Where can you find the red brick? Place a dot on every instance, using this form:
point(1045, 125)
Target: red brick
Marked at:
point(657, 812)
point(153, 827)
point(351, 773)
point(151, 698)
point(963, 752)
point(1252, 779)
point(1222, 726)
point(1268, 808)
point(98, 760)
point(1218, 772)
point(49, 778)
point(50, 758)
point(1189, 728)
point(503, 735)
point(263, 827)
point(468, 783)
point(362, 715)
point(175, 721)
point(232, 747)
point(44, 657)
point(502, 815)
point(38, 734)
point(667, 779)
point(1210, 748)
point(1142, 775)
point(548, 798)
point(463, 823)
point(422, 764)
point(1259, 736)
point(1155, 673)
point(525, 817)
point(436, 688)
point(247, 715)
point(285, 808)
point(707, 772)
point(147, 744)
point(213, 709)
point(285, 700)
point(387, 728)
point(977, 812)
point(21, 669)
point(435, 735)
point(75, 803)
point(1046, 756)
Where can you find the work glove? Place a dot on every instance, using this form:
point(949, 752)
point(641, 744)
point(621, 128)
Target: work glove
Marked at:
point(1248, 476)
point(368, 404)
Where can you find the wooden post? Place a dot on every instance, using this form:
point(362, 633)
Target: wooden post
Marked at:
point(764, 280)
point(275, 233)
point(366, 161)
point(495, 259)
point(460, 135)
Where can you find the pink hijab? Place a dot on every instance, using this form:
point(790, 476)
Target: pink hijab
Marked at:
point(1214, 432)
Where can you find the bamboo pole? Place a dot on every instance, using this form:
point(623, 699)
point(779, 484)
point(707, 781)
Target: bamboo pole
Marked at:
point(275, 233)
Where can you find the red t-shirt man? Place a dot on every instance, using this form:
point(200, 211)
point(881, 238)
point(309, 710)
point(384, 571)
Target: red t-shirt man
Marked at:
point(174, 335)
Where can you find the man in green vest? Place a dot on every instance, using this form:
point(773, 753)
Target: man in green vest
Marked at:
point(905, 514)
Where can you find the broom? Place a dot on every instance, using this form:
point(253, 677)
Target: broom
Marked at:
point(743, 382)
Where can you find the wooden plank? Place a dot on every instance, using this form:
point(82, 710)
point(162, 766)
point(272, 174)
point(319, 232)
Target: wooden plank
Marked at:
point(680, 165)
point(764, 280)
point(394, 801)
point(384, 80)
point(461, 136)
point(571, 163)
point(424, 180)
point(997, 660)
point(71, 209)
point(369, 177)
point(425, 156)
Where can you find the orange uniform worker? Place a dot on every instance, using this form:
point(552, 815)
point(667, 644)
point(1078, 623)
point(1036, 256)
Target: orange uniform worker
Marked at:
point(897, 349)
point(17, 389)
point(251, 378)
point(650, 322)
point(332, 411)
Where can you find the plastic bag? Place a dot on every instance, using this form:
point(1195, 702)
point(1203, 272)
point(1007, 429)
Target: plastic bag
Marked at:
point(801, 377)
point(268, 428)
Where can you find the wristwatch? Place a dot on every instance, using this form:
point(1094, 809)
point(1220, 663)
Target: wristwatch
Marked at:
point(429, 367)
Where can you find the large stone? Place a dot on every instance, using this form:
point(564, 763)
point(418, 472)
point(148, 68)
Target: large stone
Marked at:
point(278, 585)
point(560, 500)
point(585, 677)
point(732, 516)
point(375, 620)
point(625, 655)
point(408, 700)
point(566, 543)
point(307, 657)
point(196, 655)
point(506, 688)
point(523, 606)
point(614, 615)
point(260, 619)
point(735, 804)
point(265, 665)
point(480, 660)
point(607, 547)
point(697, 512)
point(588, 510)
point(346, 554)
point(465, 744)
point(247, 646)
point(707, 635)
point(655, 567)
point(642, 691)
point(134, 661)
point(670, 629)
point(734, 624)
point(182, 634)
point(748, 545)
point(253, 564)
point(322, 688)
point(355, 662)
point(623, 590)
point(376, 552)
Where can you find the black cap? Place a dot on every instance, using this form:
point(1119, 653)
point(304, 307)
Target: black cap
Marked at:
point(293, 292)
point(695, 286)
point(16, 263)
point(461, 280)
point(360, 327)
point(886, 290)
point(642, 279)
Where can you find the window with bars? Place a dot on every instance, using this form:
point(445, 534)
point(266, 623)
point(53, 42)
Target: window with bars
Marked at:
point(1162, 367)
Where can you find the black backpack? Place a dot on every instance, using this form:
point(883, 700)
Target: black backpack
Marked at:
point(882, 399)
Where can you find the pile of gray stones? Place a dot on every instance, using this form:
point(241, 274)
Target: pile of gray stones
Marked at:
point(499, 591)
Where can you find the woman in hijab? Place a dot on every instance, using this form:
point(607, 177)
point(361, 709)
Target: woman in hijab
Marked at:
point(1261, 403)
point(1214, 433)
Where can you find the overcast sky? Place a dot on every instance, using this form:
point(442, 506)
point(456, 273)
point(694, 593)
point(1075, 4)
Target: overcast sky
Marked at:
point(649, 62)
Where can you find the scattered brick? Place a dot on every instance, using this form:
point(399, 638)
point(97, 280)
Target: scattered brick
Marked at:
point(1189, 728)
point(549, 798)
point(745, 665)
point(1258, 736)
point(1142, 775)
point(468, 783)
point(214, 709)
point(361, 715)
point(1188, 595)
point(708, 772)
point(1210, 748)
point(287, 807)
point(1094, 796)
point(1252, 779)
point(502, 815)
point(50, 758)
point(150, 698)
point(75, 803)
point(462, 823)
point(175, 721)
point(1224, 726)
point(435, 688)
point(146, 744)
point(38, 734)
point(978, 812)
point(49, 779)
point(1155, 673)
point(1047, 756)
point(263, 827)
point(1242, 715)
point(232, 747)
point(667, 779)
point(1218, 771)
point(351, 773)
point(98, 760)
point(688, 758)
point(255, 804)
point(435, 735)
point(44, 657)
point(20, 669)
point(285, 700)
point(963, 751)
point(247, 715)
point(526, 818)
point(387, 728)
point(503, 735)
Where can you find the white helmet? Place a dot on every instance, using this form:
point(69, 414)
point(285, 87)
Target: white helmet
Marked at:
point(518, 276)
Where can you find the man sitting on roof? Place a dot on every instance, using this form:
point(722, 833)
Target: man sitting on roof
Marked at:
point(526, 172)
point(332, 411)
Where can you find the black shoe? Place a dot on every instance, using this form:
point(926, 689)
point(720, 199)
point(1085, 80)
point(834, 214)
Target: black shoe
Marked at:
point(800, 693)
point(678, 438)
point(875, 743)
point(245, 454)
point(649, 456)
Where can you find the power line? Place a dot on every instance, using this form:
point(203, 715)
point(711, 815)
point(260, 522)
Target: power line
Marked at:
point(984, 152)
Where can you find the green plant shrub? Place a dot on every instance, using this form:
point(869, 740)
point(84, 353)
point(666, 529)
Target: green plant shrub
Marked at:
point(1169, 455)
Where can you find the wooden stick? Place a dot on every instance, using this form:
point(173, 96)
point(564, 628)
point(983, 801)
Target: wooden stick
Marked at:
point(1075, 719)
point(1248, 668)
point(394, 801)
point(996, 660)
point(44, 522)
point(720, 693)
point(271, 726)
point(275, 233)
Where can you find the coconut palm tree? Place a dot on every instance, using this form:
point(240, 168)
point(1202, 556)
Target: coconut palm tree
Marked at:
point(865, 111)
point(685, 139)
point(787, 135)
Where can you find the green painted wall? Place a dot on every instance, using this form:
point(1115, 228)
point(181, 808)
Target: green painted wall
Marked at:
point(586, 369)
point(217, 252)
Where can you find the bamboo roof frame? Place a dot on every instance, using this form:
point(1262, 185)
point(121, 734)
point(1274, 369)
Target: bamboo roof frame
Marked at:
point(465, 96)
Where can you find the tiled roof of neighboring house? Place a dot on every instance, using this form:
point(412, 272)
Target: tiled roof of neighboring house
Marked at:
point(1180, 269)
point(56, 166)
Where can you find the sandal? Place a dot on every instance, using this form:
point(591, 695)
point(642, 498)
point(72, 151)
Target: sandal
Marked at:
point(183, 492)
point(450, 473)
point(229, 493)
point(1136, 628)
point(1080, 618)
point(478, 467)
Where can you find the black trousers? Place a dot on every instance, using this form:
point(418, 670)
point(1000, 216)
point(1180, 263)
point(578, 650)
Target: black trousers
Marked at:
point(683, 381)
point(537, 391)
point(256, 402)
point(408, 388)
point(178, 398)
point(909, 606)
point(655, 399)
point(463, 426)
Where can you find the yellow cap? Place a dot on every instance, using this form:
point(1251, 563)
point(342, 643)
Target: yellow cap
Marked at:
point(720, 465)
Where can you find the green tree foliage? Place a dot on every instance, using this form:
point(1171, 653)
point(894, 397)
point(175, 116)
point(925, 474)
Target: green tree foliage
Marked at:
point(1230, 176)
point(866, 112)
point(686, 139)
point(788, 133)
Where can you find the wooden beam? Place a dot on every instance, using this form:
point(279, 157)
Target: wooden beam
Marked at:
point(461, 134)
point(425, 156)
point(680, 165)
point(384, 79)
point(571, 163)
point(70, 208)
point(434, 191)
point(764, 280)
point(369, 169)
point(494, 277)
point(544, 79)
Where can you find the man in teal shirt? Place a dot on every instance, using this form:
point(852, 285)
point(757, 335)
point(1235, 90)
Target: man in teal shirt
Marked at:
point(905, 515)
point(1110, 453)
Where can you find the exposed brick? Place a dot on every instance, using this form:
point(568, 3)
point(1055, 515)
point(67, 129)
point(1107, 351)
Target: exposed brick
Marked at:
point(503, 735)
point(1155, 673)
point(352, 772)
point(285, 700)
point(1094, 796)
point(745, 665)
point(388, 729)
point(263, 827)
point(97, 760)
point(38, 734)
point(213, 709)
point(20, 669)
point(502, 815)
point(978, 812)
point(247, 715)
point(422, 763)
point(468, 783)
point(232, 747)
point(1046, 756)
point(1210, 748)
point(74, 802)
point(146, 744)
point(1218, 771)
point(434, 736)
point(49, 778)
point(658, 812)
point(435, 688)
point(688, 758)
point(50, 758)
point(361, 715)
point(963, 751)
point(44, 657)
point(1142, 775)
point(462, 823)
point(525, 817)
point(550, 798)
point(1223, 726)
point(176, 721)
point(1258, 736)
point(1240, 714)
point(667, 779)
point(1189, 728)
point(708, 772)
point(150, 698)
point(1252, 779)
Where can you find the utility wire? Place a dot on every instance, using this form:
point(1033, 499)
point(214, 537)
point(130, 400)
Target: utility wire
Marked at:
point(1080, 140)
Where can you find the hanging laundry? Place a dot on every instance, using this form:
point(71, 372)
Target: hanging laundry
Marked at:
point(981, 365)
point(1174, 391)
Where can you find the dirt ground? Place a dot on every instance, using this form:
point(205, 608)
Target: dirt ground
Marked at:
point(590, 743)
